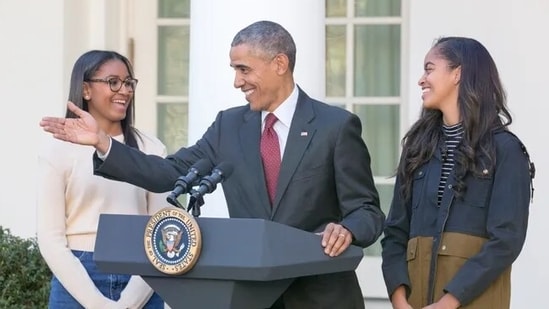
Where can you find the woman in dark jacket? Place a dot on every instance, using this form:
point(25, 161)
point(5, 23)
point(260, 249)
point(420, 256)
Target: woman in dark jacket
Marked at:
point(459, 213)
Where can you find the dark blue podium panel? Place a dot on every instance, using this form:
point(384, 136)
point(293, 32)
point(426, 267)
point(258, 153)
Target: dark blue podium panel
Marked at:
point(244, 263)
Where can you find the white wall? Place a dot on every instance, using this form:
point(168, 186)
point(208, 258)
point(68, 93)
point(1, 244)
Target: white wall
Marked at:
point(513, 32)
point(31, 84)
point(528, 82)
point(40, 42)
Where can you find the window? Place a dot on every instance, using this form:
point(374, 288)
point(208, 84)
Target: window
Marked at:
point(160, 33)
point(160, 47)
point(173, 72)
point(363, 75)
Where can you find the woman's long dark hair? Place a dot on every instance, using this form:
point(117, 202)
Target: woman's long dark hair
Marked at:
point(85, 68)
point(482, 108)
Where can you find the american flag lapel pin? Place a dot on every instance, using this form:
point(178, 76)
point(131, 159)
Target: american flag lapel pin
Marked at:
point(304, 133)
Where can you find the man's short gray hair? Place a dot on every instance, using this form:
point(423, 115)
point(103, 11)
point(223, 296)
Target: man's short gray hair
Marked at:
point(268, 38)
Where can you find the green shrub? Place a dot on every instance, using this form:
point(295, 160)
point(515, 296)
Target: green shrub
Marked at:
point(24, 276)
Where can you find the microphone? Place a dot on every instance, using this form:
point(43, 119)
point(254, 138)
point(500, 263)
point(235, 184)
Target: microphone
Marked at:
point(184, 184)
point(209, 183)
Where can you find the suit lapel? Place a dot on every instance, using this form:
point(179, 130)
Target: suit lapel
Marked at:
point(300, 135)
point(250, 135)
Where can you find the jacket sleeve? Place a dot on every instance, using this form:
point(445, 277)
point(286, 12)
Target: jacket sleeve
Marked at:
point(148, 171)
point(158, 201)
point(357, 194)
point(394, 244)
point(154, 172)
point(507, 222)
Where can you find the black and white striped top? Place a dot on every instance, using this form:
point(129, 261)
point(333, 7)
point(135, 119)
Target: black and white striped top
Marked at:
point(453, 136)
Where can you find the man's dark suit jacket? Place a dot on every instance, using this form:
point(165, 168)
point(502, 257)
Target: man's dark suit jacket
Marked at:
point(325, 177)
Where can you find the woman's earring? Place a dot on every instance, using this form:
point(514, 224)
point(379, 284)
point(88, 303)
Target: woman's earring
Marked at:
point(87, 97)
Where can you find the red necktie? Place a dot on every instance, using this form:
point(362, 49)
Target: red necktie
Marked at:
point(270, 154)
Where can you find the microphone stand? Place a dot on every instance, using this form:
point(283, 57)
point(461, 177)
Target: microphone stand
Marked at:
point(194, 204)
point(174, 202)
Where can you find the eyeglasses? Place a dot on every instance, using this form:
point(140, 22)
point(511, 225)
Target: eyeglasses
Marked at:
point(115, 83)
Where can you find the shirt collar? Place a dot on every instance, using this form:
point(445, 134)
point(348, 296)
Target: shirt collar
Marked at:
point(285, 111)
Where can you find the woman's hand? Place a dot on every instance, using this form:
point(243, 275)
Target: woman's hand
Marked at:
point(398, 299)
point(448, 301)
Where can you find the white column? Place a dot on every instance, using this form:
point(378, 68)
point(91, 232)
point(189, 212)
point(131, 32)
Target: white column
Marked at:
point(213, 26)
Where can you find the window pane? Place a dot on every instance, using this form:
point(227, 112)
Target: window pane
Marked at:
point(336, 8)
point(173, 60)
point(385, 198)
point(335, 61)
point(377, 60)
point(173, 119)
point(367, 8)
point(380, 130)
point(174, 8)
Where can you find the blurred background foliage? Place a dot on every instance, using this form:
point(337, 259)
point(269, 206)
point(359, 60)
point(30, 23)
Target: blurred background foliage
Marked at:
point(24, 275)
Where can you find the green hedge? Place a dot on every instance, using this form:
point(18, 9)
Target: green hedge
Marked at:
point(24, 276)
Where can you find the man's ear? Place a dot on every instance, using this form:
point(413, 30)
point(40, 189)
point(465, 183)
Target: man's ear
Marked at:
point(282, 62)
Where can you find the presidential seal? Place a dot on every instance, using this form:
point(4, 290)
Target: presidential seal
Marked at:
point(172, 241)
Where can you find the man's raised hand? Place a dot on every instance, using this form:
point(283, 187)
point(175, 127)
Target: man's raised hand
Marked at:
point(82, 130)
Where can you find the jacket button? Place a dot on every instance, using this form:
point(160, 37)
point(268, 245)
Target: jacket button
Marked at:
point(449, 186)
point(443, 247)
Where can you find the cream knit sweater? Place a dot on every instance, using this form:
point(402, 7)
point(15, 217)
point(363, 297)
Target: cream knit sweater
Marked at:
point(70, 199)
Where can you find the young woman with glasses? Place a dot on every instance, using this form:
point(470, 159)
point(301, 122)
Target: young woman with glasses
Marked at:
point(71, 198)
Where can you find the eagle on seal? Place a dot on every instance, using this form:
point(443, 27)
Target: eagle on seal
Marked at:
point(171, 238)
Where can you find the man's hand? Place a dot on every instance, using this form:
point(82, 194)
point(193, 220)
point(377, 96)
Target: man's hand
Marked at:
point(335, 239)
point(82, 130)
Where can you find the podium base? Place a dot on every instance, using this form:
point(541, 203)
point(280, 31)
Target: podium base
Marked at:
point(187, 293)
